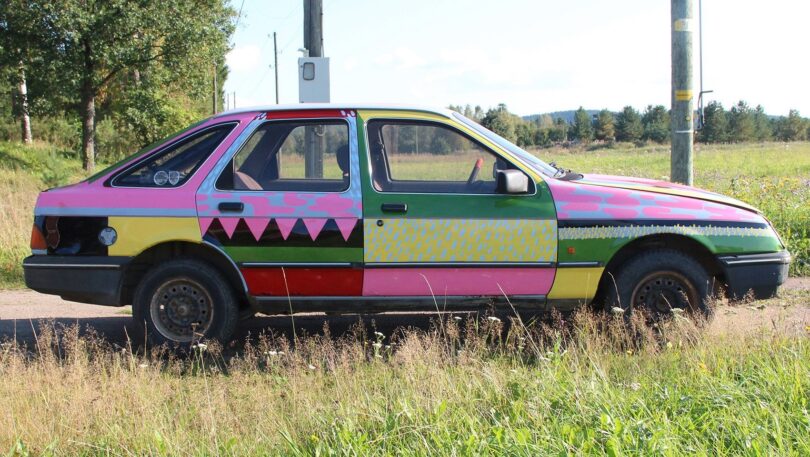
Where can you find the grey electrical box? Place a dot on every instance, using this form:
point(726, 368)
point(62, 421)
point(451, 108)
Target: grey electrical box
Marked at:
point(313, 79)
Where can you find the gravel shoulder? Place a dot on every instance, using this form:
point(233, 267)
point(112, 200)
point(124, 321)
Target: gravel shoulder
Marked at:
point(24, 311)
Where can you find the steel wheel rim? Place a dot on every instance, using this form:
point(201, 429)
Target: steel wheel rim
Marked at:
point(661, 291)
point(182, 309)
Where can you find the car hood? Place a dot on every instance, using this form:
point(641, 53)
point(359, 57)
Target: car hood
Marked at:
point(662, 187)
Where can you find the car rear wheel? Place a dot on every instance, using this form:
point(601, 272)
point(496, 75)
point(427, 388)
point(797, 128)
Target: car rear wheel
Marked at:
point(658, 281)
point(184, 301)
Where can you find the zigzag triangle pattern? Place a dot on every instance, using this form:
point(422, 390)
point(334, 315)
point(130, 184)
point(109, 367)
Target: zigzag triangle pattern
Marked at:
point(258, 225)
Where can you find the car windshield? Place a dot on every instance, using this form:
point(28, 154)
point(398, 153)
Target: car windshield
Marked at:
point(524, 156)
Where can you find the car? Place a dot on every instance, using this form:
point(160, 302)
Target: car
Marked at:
point(356, 208)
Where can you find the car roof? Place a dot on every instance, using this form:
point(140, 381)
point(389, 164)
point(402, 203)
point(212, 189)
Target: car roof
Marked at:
point(336, 106)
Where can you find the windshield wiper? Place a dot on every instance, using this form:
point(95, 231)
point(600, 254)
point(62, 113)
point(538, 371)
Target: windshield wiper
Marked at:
point(565, 175)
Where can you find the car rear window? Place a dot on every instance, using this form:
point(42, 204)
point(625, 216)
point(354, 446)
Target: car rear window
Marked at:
point(176, 163)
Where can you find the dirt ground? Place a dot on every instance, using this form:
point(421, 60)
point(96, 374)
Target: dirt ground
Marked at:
point(22, 312)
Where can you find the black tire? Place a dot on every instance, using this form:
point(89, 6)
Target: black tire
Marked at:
point(657, 281)
point(184, 301)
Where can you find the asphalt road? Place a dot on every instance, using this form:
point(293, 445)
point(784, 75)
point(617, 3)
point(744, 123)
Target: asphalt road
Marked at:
point(23, 312)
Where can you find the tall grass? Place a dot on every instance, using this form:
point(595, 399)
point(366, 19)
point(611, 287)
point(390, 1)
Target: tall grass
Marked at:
point(590, 384)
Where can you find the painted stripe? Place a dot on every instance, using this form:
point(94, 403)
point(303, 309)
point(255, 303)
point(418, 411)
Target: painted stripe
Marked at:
point(457, 281)
point(589, 223)
point(305, 282)
point(635, 231)
point(114, 211)
point(576, 283)
point(241, 254)
point(458, 264)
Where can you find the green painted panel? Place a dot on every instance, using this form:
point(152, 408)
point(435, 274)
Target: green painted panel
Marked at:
point(601, 250)
point(295, 254)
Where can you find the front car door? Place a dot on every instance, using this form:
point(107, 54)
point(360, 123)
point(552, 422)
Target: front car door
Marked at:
point(434, 222)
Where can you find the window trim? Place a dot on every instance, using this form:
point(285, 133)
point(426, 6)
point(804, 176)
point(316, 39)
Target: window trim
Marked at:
point(230, 160)
point(173, 142)
point(454, 128)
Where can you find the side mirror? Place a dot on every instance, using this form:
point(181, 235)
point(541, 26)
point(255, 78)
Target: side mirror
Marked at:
point(512, 182)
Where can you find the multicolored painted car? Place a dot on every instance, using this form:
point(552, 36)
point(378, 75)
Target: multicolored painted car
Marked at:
point(366, 209)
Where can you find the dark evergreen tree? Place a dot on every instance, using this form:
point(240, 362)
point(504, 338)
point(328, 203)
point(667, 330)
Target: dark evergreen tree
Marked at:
point(628, 125)
point(583, 127)
point(604, 128)
point(656, 124)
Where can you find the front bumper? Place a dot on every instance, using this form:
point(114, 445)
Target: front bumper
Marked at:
point(85, 279)
point(762, 274)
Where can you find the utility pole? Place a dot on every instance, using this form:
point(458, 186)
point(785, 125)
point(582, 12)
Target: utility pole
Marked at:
point(214, 108)
point(682, 97)
point(275, 62)
point(313, 42)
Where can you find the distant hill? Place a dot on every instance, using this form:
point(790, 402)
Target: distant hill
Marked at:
point(567, 115)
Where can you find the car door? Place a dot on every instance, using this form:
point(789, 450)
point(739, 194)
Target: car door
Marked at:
point(284, 204)
point(435, 222)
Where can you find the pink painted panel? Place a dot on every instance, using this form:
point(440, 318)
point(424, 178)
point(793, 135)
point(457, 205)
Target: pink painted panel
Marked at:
point(457, 281)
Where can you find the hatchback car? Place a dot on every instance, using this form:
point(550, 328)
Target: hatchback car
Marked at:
point(366, 209)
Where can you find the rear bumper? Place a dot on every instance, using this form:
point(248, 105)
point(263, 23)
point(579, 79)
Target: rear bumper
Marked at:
point(761, 274)
point(90, 279)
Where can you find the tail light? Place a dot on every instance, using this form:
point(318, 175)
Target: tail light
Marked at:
point(38, 244)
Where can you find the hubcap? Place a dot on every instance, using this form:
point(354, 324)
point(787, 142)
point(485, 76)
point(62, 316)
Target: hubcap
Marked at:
point(180, 308)
point(661, 291)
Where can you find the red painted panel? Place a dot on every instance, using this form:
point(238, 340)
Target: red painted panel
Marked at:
point(306, 113)
point(304, 281)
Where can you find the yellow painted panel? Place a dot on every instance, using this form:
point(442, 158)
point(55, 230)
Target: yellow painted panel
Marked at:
point(576, 283)
point(454, 240)
point(136, 234)
point(367, 115)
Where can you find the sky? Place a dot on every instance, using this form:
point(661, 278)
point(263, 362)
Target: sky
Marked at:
point(535, 56)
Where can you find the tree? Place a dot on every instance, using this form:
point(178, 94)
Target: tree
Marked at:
point(741, 123)
point(792, 127)
point(20, 54)
point(98, 41)
point(715, 124)
point(656, 124)
point(502, 122)
point(628, 125)
point(604, 130)
point(583, 128)
point(559, 133)
point(762, 125)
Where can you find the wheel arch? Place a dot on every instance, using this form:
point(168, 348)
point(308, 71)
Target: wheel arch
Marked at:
point(682, 243)
point(204, 252)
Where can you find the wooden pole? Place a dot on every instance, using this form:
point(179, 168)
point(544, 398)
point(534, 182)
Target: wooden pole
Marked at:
point(682, 93)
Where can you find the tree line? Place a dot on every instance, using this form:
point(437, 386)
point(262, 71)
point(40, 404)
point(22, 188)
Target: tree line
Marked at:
point(739, 124)
point(139, 69)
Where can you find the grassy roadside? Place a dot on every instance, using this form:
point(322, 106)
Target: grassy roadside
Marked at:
point(591, 386)
point(774, 177)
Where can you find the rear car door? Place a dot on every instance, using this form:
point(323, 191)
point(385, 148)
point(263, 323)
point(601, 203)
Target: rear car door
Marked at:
point(284, 204)
point(434, 220)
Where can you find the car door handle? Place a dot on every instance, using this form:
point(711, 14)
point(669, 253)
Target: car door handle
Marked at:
point(395, 207)
point(231, 207)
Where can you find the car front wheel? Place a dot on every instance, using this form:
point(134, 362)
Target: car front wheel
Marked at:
point(185, 301)
point(658, 281)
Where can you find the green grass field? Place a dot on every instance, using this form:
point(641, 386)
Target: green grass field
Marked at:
point(468, 387)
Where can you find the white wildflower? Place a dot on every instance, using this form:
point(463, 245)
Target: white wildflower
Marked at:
point(311, 366)
point(493, 319)
point(617, 311)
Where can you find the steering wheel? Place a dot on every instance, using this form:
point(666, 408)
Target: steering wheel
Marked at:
point(475, 171)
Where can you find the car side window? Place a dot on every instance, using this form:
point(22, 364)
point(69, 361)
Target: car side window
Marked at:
point(309, 156)
point(174, 165)
point(429, 157)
